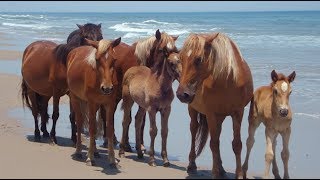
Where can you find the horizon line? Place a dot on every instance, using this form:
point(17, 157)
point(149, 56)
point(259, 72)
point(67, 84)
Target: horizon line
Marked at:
point(163, 11)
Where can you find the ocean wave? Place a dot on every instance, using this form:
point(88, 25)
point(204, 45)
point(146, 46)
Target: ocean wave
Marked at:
point(149, 27)
point(35, 26)
point(50, 39)
point(317, 116)
point(3, 16)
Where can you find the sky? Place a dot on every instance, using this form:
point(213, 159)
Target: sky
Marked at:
point(156, 6)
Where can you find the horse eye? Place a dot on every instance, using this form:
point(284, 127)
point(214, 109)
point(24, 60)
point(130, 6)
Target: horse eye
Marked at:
point(197, 61)
point(275, 91)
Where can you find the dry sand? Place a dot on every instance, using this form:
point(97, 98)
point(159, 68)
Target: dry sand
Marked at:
point(20, 157)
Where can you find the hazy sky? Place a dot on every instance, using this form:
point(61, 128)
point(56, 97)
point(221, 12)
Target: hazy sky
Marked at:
point(156, 6)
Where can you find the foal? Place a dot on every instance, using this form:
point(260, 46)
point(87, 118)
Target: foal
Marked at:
point(152, 90)
point(270, 105)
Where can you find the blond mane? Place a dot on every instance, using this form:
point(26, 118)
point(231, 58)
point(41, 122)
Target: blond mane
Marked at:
point(96, 53)
point(222, 57)
point(144, 46)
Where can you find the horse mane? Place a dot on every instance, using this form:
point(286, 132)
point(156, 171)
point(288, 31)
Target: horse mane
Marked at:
point(96, 53)
point(221, 56)
point(145, 47)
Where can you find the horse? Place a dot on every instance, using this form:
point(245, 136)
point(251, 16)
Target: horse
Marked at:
point(270, 105)
point(215, 82)
point(152, 90)
point(44, 76)
point(92, 83)
point(146, 52)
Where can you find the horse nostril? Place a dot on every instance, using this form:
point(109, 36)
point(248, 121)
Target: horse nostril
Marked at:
point(186, 95)
point(283, 112)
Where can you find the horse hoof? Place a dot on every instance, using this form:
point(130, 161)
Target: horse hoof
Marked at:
point(127, 148)
point(121, 155)
point(140, 155)
point(96, 155)
point(45, 135)
point(90, 162)
point(166, 164)
point(192, 170)
point(222, 172)
point(152, 164)
point(286, 177)
point(277, 176)
point(238, 177)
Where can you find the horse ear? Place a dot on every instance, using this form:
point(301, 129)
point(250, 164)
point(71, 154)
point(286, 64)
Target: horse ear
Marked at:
point(174, 37)
point(80, 26)
point(211, 38)
point(158, 35)
point(274, 76)
point(99, 25)
point(95, 44)
point(116, 42)
point(292, 76)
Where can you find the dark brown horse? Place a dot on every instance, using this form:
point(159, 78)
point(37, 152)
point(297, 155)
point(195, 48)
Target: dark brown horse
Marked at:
point(44, 76)
point(216, 82)
point(92, 82)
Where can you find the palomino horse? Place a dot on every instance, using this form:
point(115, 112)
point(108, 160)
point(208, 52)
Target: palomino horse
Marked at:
point(270, 105)
point(91, 80)
point(215, 82)
point(44, 76)
point(152, 90)
point(149, 52)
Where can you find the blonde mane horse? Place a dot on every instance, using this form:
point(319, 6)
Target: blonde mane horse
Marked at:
point(215, 82)
point(91, 81)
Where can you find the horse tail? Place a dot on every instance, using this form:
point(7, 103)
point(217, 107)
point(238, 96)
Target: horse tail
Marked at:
point(24, 95)
point(202, 133)
point(61, 52)
point(84, 109)
point(26, 99)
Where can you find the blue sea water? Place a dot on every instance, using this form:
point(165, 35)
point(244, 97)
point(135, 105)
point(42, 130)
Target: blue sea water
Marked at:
point(284, 41)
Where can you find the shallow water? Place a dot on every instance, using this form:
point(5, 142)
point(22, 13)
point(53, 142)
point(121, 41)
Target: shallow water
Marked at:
point(284, 41)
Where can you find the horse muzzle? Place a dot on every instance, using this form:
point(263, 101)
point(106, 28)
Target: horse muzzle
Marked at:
point(106, 90)
point(184, 95)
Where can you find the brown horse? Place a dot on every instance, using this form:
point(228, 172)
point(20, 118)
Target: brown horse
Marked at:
point(92, 83)
point(147, 50)
point(270, 105)
point(44, 76)
point(215, 82)
point(152, 90)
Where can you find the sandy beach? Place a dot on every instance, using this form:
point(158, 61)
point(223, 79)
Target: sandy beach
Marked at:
point(21, 157)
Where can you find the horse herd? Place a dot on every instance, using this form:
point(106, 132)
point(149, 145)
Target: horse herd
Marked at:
point(214, 80)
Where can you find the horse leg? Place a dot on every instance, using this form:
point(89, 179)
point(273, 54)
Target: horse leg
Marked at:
point(138, 125)
point(253, 125)
point(103, 116)
point(164, 134)
point(76, 108)
point(220, 120)
point(153, 133)
point(35, 112)
point(110, 133)
point(55, 116)
point(214, 144)
point(92, 132)
point(192, 167)
point(285, 152)
point(275, 169)
point(236, 143)
point(44, 114)
point(127, 105)
point(270, 134)
point(143, 149)
point(72, 122)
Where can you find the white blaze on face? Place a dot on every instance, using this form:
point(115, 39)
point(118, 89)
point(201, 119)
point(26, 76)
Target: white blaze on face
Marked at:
point(284, 86)
point(176, 57)
point(169, 45)
point(189, 53)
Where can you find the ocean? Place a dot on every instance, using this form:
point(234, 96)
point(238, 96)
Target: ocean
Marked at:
point(284, 41)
